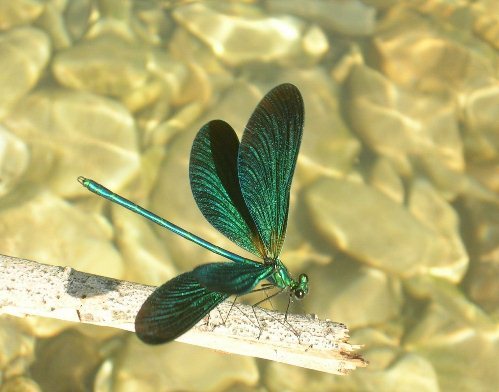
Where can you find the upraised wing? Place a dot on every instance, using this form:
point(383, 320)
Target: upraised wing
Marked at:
point(215, 185)
point(266, 162)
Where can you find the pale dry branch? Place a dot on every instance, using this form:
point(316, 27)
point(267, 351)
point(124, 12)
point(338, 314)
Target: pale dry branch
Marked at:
point(31, 288)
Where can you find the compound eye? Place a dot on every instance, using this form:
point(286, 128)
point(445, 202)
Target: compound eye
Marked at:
point(299, 293)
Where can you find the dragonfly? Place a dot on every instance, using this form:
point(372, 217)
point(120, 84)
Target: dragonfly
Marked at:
point(242, 189)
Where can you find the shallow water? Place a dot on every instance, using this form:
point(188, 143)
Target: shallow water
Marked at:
point(394, 209)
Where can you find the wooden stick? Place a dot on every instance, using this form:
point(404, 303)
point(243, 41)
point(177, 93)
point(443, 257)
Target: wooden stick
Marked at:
point(31, 288)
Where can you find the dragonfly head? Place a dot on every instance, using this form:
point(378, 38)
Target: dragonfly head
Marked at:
point(300, 288)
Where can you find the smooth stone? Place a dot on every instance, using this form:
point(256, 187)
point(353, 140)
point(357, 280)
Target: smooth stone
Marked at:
point(461, 346)
point(449, 182)
point(482, 127)
point(177, 123)
point(383, 339)
point(20, 384)
point(19, 12)
point(152, 102)
point(167, 75)
point(481, 281)
point(440, 293)
point(431, 209)
point(105, 65)
point(377, 231)
point(144, 256)
point(207, 77)
point(486, 173)
point(40, 226)
point(52, 22)
point(343, 283)
point(166, 368)
point(115, 9)
point(407, 373)
point(151, 24)
point(380, 4)
point(239, 40)
point(396, 125)
point(73, 358)
point(77, 16)
point(486, 26)
point(315, 43)
point(384, 177)
point(419, 54)
point(18, 346)
point(14, 160)
point(351, 17)
point(74, 133)
point(481, 285)
point(24, 52)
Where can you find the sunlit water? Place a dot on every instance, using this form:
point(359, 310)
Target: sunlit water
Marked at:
point(394, 211)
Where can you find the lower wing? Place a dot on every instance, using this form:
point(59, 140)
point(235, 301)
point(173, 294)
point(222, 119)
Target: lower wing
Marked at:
point(174, 308)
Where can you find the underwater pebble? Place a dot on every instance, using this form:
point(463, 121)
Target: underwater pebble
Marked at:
point(419, 125)
point(431, 209)
point(384, 177)
point(328, 145)
point(482, 127)
point(20, 384)
point(74, 238)
point(207, 75)
point(14, 158)
point(486, 26)
point(390, 368)
point(463, 350)
point(86, 125)
point(350, 17)
point(344, 282)
point(374, 229)
point(52, 22)
point(416, 54)
point(105, 65)
point(144, 256)
point(396, 124)
point(191, 369)
point(18, 345)
point(407, 373)
point(237, 40)
point(74, 359)
point(77, 18)
point(19, 12)
point(481, 283)
point(24, 52)
point(486, 173)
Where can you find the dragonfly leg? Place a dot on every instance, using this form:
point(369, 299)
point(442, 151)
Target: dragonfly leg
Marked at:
point(285, 320)
point(224, 320)
point(264, 287)
point(267, 298)
point(288, 323)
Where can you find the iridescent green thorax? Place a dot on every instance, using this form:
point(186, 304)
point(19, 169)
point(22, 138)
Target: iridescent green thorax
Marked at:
point(282, 279)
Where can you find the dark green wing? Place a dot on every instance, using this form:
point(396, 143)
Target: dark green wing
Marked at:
point(215, 185)
point(266, 162)
point(174, 308)
point(232, 278)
